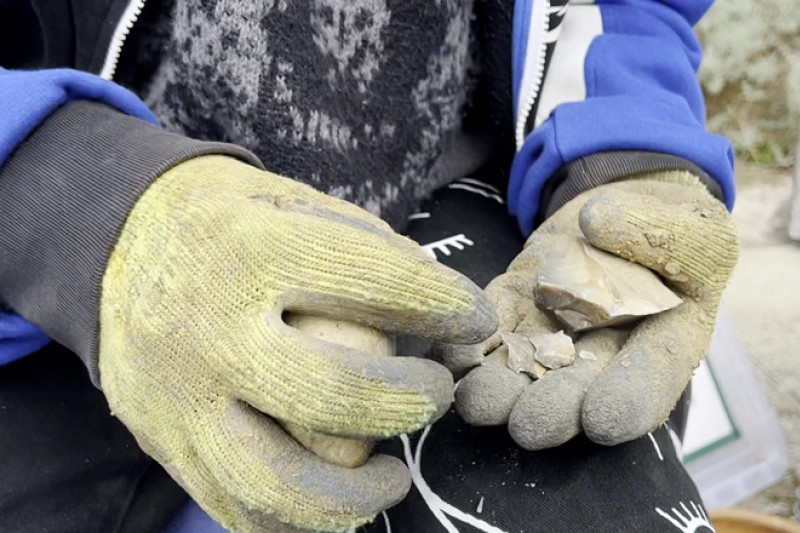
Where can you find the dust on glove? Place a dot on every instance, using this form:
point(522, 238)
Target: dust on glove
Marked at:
point(667, 222)
point(196, 359)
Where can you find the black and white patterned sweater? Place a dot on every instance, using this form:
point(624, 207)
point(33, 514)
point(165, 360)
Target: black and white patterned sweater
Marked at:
point(375, 101)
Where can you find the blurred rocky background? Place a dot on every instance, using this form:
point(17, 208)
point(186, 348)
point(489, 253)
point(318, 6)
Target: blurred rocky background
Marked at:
point(751, 78)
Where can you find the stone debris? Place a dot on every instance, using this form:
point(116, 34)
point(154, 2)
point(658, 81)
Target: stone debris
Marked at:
point(587, 288)
point(520, 352)
point(536, 354)
point(553, 350)
point(537, 371)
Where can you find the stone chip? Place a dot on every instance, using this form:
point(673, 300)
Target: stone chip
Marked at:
point(587, 288)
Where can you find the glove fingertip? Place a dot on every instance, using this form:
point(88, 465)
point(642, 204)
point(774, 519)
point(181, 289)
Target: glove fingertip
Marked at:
point(601, 218)
point(613, 416)
point(438, 387)
point(393, 479)
point(476, 323)
point(546, 416)
point(461, 358)
point(486, 396)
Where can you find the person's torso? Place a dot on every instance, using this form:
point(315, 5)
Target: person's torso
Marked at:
point(365, 100)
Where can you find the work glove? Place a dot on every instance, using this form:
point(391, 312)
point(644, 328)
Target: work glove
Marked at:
point(197, 361)
point(631, 378)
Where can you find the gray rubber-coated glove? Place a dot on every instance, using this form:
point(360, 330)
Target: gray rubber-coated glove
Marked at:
point(667, 222)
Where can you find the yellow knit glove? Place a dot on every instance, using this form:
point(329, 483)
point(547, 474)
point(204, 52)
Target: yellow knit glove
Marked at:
point(667, 222)
point(197, 361)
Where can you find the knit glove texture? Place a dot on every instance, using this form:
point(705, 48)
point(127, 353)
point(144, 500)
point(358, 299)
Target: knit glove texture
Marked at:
point(665, 221)
point(197, 361)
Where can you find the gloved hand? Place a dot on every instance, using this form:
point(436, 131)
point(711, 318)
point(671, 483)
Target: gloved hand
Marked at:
point(667, 222)
point(197, 361)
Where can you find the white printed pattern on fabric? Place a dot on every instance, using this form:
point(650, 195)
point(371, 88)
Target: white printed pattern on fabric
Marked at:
point(444, 245)
point(478, 187)
point(442, 510)
point(674, 439)
point(477, 183)
point(691, 522)
point(476, 190)
point(676, 442)
point(458, 242)
point(694, 517)
point(656, 446)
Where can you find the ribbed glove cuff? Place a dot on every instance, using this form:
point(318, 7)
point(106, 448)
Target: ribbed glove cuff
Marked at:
point(64, 197)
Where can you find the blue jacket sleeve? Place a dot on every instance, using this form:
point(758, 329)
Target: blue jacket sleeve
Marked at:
point(641, 93)
point(27, 98)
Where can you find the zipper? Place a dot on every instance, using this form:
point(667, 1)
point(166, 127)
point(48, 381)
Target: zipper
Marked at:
point(533, 68)
point(121, 32)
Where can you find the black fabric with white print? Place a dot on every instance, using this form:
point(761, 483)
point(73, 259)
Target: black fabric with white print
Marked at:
point(477, 480)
